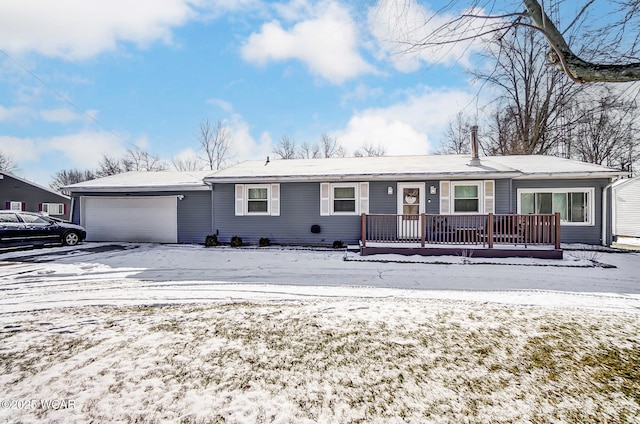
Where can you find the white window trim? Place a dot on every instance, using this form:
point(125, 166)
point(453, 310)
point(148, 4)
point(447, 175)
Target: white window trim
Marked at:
point(361, 190)
point(590, 202)
point(355, 198)
point(58, 209)
point(241, 192)
point(477, 183)
point(15, 206)
point(246, 199)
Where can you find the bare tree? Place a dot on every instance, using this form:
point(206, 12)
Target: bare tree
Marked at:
point(188, 164)
point(309, 151)
point(615, 61)
point(68, 177)
point(457, 137)
point(7, 163)
point(137, 159)
point(330, 148)
point(531, 105)
point(286, 148)
point(215, 141)
point(607, 133)
point(369, 150)
point(109, 166)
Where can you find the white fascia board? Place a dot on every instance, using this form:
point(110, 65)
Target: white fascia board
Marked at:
point(138, 189)
point(567, 175)
point(361, 177)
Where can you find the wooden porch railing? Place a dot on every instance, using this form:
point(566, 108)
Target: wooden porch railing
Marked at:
point(487, 230)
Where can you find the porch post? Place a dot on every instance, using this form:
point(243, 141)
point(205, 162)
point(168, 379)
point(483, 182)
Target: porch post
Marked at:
point(363, 229)
point(490, 231)
point(423, 228)
point(557, 222)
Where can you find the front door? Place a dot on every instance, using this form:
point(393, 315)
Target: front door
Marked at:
point(410, 205)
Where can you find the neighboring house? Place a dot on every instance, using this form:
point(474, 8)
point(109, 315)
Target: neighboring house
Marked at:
point(22, 195)
point(625, 208)
point(318, 201)
point(162, 207)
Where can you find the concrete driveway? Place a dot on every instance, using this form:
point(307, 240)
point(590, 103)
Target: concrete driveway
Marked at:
point(102, 273)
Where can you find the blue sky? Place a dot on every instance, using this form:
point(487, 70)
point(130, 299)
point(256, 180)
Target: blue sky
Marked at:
point(83, 78)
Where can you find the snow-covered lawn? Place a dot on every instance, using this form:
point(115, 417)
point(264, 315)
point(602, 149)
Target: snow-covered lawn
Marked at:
point(130, 336)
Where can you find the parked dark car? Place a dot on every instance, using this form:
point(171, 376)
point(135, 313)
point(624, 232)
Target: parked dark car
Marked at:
point(27, 228)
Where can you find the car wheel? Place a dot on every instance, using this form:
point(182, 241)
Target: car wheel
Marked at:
point(70, 239)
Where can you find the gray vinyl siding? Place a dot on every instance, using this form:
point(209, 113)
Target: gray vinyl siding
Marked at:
point(15, 190)
point(299, 210)
point(502, 197)
point(194, 212)
point(590, 234)
point(194, 217)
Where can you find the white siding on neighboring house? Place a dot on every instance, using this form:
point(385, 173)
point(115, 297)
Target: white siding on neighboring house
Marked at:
point(131, 219)
point(626, 208)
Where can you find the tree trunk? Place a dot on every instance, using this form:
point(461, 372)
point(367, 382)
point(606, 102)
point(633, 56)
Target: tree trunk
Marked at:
point(577, 69)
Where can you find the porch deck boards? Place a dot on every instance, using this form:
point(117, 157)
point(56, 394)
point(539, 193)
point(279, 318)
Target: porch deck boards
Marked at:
point(472, 250)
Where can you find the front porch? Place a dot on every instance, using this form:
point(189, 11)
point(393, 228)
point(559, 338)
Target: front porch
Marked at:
point(488, 235)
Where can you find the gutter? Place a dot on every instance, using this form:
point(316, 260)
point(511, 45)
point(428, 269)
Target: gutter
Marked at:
point(131, 189)
point(360, 177)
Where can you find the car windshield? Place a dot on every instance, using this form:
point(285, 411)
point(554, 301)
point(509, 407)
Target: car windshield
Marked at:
point(35, 219)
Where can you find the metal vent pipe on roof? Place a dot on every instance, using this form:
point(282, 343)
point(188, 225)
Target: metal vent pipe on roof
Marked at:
point(475, 161)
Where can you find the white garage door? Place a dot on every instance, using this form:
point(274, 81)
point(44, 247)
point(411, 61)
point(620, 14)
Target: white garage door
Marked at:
point(140, 219)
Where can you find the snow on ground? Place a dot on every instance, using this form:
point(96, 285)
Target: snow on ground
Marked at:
point(150, 333)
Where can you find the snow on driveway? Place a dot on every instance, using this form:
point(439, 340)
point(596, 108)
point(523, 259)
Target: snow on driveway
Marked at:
point(134, 274)
point(184, 334)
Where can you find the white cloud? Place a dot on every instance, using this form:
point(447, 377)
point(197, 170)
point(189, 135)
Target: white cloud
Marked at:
point(14, 114)
point(61, 115)
point(244, 146)
point(19, 149)
point(326, 42)
point(83, 150)
point(399, 26)
point(409, 127)
point(78, 29)
point(222, 104)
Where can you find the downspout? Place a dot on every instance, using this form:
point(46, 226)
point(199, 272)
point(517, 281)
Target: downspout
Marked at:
point(605, 215)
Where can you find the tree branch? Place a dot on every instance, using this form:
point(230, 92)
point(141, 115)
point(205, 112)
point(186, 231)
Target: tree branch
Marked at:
point(576, 68)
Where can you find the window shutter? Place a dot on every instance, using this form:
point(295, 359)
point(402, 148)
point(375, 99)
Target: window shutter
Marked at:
point(7, 205)
point(64, 212)
point(489, 196)
point(39, 207)
point(275, 199)
point(239, 199)
point(23, 207)
point(364, 197)
point(325, 199)
point(445, 197)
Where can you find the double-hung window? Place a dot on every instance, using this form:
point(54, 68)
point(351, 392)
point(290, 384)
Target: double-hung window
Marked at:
point(344, 198)
point(467, 197)
point(575, 205)
point(53, 208)
point(257, 199)
point(15, 206)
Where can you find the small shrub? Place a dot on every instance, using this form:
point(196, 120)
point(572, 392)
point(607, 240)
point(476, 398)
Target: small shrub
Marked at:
point(236, 241)
point(211, 240)
point(264, 242)
point(338, 244)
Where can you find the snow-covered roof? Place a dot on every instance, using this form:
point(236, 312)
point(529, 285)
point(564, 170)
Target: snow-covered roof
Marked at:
point(410, 167)
point(9, 174)
point(144, 181)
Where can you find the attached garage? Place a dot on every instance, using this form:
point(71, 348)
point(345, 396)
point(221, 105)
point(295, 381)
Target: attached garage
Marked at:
point(138, 219)
point(152, 207)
